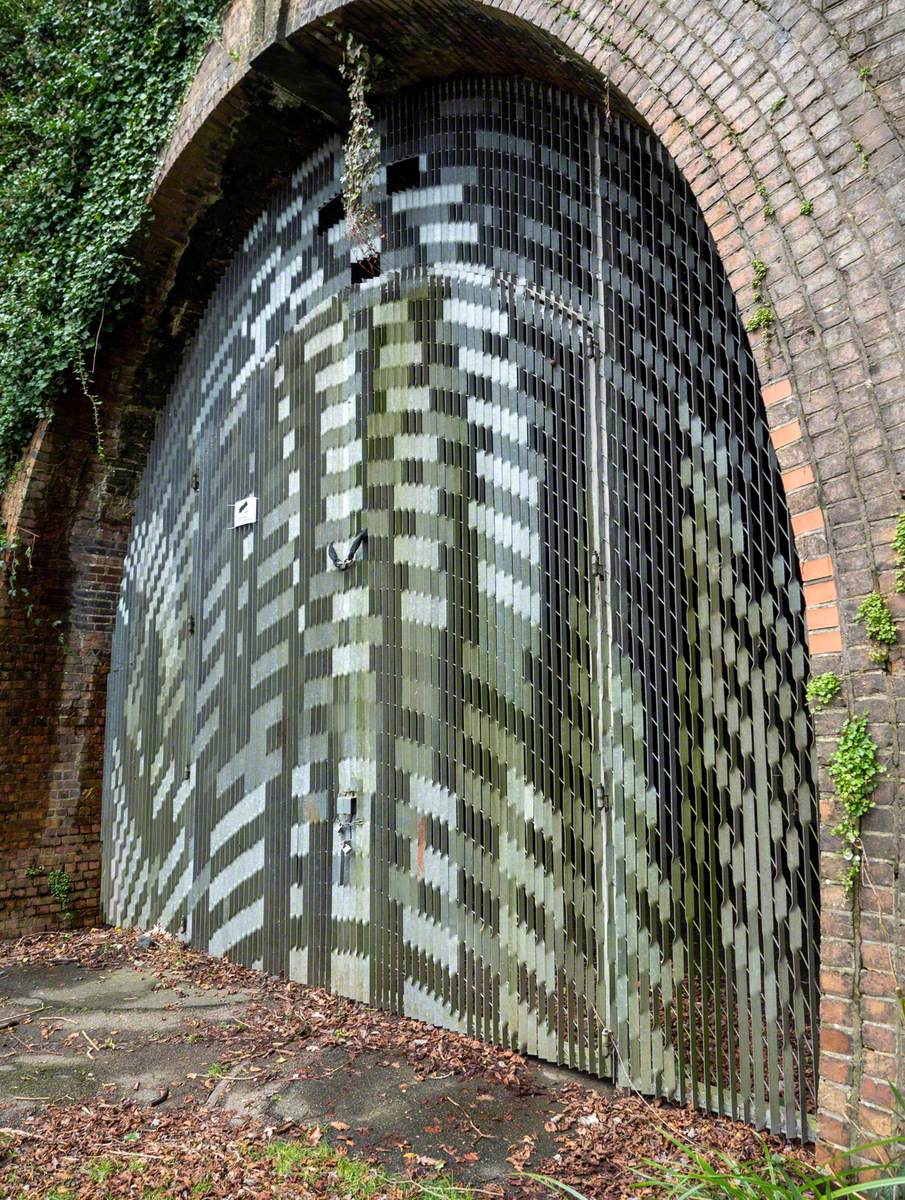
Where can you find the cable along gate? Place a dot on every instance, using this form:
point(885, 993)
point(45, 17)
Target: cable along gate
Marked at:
point(460, 660)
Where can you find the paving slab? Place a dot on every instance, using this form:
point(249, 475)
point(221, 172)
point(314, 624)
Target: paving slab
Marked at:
point(68, 1032)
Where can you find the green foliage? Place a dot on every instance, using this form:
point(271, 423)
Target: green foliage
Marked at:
point(348, 1177)
point(762, 319)
point(807, 208)
point(100, 1170)
point(772, 1175)
point(777, 104)
point(88, 91)
point(768, 210)
point(822, 690)
point(60, 887)
point(13, 554)
point(855, 770)
point(875, 616)
point(898, 547)
point(760, 270)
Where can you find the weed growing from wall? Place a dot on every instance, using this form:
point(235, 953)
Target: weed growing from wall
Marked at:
point(898, 548)
point(761, 319)
point(88, 93)
point(875, 616)
point(822, 690)
point(855, 770)
point(759, 269)
point(60, 887)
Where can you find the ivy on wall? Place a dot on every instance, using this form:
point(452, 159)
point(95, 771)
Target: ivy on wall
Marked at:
point(88, 92)
point(855, 769)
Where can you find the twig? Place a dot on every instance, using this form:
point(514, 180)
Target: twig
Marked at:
point(30, 1012)
point(23, 1133)
point(480, 1133)
point(136, 1154)
point(91, 1041)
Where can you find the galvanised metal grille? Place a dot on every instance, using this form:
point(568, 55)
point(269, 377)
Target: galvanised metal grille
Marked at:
point(495, 714)
point(707, 739)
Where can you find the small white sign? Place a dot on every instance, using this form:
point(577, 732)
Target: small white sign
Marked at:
point(245, 512)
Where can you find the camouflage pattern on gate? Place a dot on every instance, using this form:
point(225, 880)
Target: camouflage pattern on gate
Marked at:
point(493, 714)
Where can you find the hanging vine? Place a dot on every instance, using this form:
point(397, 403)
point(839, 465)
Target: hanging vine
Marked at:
point(361, 148)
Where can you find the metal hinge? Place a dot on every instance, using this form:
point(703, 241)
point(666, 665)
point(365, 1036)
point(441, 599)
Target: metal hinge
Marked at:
point(343, 564)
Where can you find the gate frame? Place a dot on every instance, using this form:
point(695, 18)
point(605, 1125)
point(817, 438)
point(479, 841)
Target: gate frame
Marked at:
point(703, 86)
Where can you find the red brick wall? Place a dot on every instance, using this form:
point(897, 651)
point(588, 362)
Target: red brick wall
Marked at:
point(56, 609)
point(708, 76)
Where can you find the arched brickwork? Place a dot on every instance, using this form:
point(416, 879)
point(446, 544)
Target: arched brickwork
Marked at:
point(766, 115)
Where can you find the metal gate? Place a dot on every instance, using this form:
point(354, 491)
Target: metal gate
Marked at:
point(460, 659)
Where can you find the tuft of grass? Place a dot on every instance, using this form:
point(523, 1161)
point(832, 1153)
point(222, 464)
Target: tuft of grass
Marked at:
point(291, 1157)
point(100, 1170)
point(354, 1178)
point(441, 1189)
point(715, 1175)
point(357, 1178)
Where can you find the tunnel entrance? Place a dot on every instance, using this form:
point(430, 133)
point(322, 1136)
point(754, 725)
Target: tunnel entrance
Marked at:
point(460, 659)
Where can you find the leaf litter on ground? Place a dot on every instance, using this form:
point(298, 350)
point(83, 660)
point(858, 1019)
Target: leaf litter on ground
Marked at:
point(602, 1140)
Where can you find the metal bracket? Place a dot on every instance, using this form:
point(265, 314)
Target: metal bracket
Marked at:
point(343, 564)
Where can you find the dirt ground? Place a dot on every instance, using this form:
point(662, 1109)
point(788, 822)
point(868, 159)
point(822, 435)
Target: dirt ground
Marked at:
point(130, 1066)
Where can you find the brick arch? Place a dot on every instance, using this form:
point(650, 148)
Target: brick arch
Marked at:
point(707, 78)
